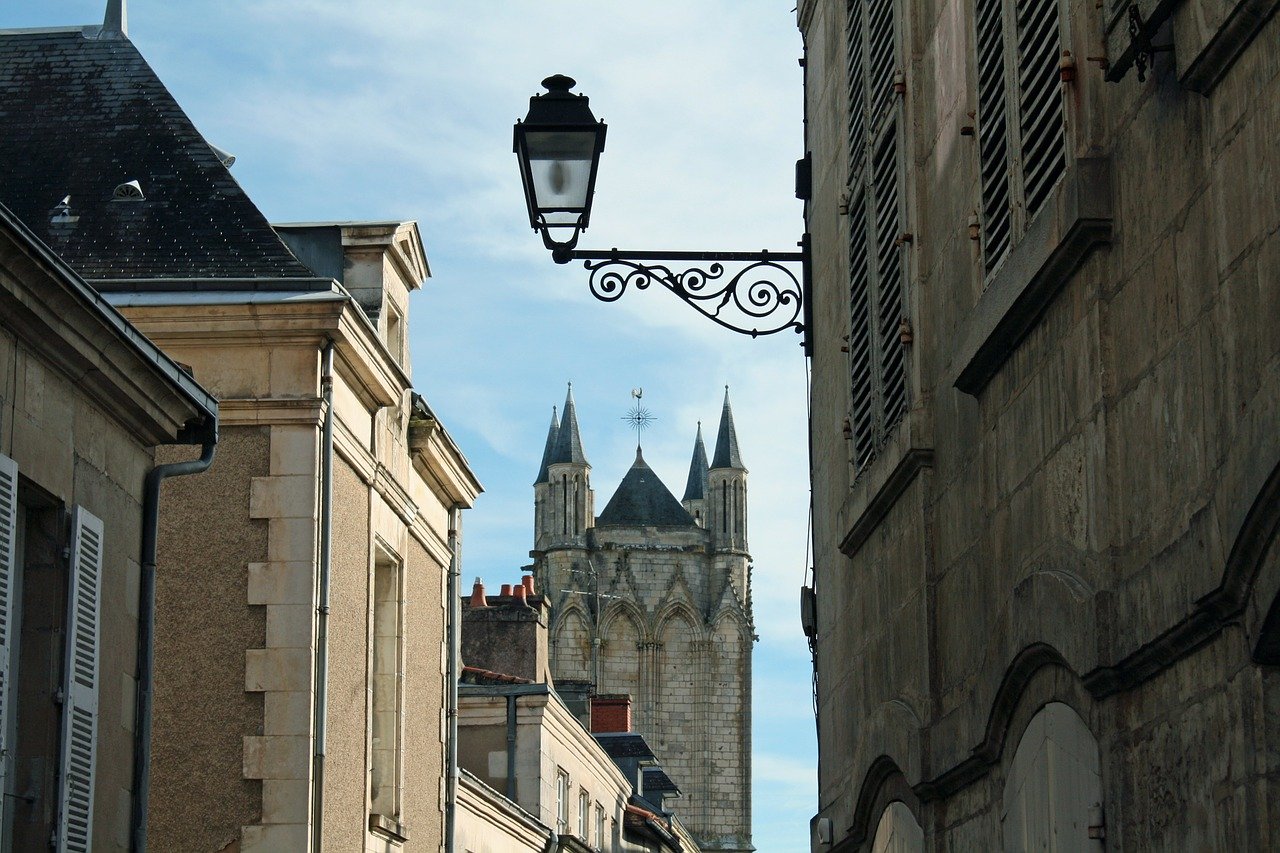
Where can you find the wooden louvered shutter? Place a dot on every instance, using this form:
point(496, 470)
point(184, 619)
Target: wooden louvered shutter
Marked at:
point(8, 572)
point(886, 175)
point(855, 57)
point(861, 360)
point(80, 709)
point(993, 133)
point(1040, 117)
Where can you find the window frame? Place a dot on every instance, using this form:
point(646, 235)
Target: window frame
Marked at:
point(562, 801)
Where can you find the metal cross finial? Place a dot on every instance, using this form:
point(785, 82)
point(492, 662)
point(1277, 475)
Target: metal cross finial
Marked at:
point(639, 417)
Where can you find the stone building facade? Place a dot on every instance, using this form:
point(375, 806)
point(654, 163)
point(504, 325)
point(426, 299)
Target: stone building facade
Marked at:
point(1045, 422)
point(85, 400)
point(300, 630)
point(652, 599)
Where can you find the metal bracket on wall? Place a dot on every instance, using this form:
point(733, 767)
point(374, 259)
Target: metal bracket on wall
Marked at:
point(1144, 52)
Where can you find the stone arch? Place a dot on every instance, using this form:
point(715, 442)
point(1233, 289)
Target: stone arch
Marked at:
point(571, 645)
point(1253, 568)
point(622, 634)
point(1053, 785)
point(883, 785)
point(675, 719)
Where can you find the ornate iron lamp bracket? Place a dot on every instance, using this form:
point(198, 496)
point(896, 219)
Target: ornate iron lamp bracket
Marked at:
point(763, 297)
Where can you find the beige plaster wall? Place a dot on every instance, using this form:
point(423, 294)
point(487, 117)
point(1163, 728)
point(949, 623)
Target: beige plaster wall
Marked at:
point(423, 797)
point(345, 807)
point(203, 627)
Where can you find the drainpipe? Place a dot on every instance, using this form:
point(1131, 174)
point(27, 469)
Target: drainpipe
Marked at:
point(147, 627)
point(453, 629)
point(320, 705)
point(511, 747)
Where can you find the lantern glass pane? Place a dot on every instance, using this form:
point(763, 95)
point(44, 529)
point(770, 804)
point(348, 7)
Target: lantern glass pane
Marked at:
point(560, 168)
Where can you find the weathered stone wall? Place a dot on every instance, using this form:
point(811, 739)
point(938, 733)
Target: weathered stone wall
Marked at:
point(1073, 509)
point(674, 632)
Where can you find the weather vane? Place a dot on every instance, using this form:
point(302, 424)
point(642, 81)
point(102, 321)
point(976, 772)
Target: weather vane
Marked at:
point(639, 417)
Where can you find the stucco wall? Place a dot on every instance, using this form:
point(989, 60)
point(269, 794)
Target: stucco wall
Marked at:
point(424, 699)
point(345, 808)
point(203, 627)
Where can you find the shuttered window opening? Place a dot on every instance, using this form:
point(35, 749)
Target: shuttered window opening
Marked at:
point(1022, 144)
point(877, 305)
point(993, 132)
point(8, 571)
point(862, 416)
point(80, 713)
point(855, 55)
point(887, 175)
point(1040, 117)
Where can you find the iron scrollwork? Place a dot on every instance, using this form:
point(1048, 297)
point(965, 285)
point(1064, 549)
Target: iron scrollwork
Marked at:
point(763, 298)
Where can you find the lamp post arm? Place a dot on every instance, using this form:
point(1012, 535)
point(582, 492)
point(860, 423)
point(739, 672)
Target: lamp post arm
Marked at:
point(764, 255)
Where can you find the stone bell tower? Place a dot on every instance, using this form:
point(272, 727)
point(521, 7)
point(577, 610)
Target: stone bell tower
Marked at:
point(652, 599)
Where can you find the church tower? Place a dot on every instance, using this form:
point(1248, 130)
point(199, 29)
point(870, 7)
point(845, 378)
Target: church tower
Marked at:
point(651, 599)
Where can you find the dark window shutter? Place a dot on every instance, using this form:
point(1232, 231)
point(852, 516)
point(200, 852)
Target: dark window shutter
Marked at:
point(862, 413)
point(8, 569)
point(993, 133)
point(1040, 120)
point(856, 70)
point(887, 180)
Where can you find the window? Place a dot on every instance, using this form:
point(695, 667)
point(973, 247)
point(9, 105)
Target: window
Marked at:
point(877, 306)
point(395, 333)
point(584, 814)
point(600, 842)
point(562, 802)
point(386, 637)
point(898, 831)
point(1021, 133)
point(49, 622)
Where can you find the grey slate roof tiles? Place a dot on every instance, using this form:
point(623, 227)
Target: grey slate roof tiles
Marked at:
point(643, 501)
point(80, 115)
point(568, 441)
point(550, 447)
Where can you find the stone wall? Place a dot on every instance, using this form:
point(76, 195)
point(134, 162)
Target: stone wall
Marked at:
point(1068, 511)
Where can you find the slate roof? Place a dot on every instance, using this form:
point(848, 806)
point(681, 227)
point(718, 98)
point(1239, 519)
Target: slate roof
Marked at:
point(695, 489)
point(550, 447)
point(727, 455)
point(625, 745)
point(81, 114)
point(643, 501)
point(568, 443)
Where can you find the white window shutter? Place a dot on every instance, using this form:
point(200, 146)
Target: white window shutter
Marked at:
point(8, 569)
point(1040, 115)
point(80, 708)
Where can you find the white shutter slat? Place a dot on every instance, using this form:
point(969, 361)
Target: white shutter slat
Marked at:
point(80, 717)
point(8, 570)
point(881, 55)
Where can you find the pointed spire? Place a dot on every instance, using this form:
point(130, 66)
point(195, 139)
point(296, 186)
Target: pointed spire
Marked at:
point(727, 455)
point(116, 20)
point(550, 447)
point(696, 488)
point(568, 443)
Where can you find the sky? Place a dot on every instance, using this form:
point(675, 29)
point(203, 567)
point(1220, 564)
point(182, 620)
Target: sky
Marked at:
point(403, 109)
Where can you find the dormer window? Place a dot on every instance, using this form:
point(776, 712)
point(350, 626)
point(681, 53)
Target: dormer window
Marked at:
point(395, 334)
point(128, 191)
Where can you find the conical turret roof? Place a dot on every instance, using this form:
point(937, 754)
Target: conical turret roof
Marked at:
point(568, 447)
point(643, 500)
point(550, 447)
point(696, 488)
point(727, 455)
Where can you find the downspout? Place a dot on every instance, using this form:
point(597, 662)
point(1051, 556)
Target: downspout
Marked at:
point(320, 705)
point(511, 747)
point(147, 627)
point(453, 628)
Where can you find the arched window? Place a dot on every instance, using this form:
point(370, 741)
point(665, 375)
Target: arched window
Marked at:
point(724, 506)
point(576, 494)
point(564, 503)
point(898, 831)
point(1054, 790)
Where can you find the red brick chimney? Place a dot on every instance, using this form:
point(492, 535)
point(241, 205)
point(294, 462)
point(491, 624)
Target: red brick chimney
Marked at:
point(610, 714)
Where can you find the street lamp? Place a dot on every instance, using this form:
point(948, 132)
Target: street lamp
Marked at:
point(558, 146)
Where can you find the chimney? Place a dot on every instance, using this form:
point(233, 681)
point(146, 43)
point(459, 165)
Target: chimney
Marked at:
point(508, 633)
point(477, 596)
point(527, 581)
point(611, 714)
